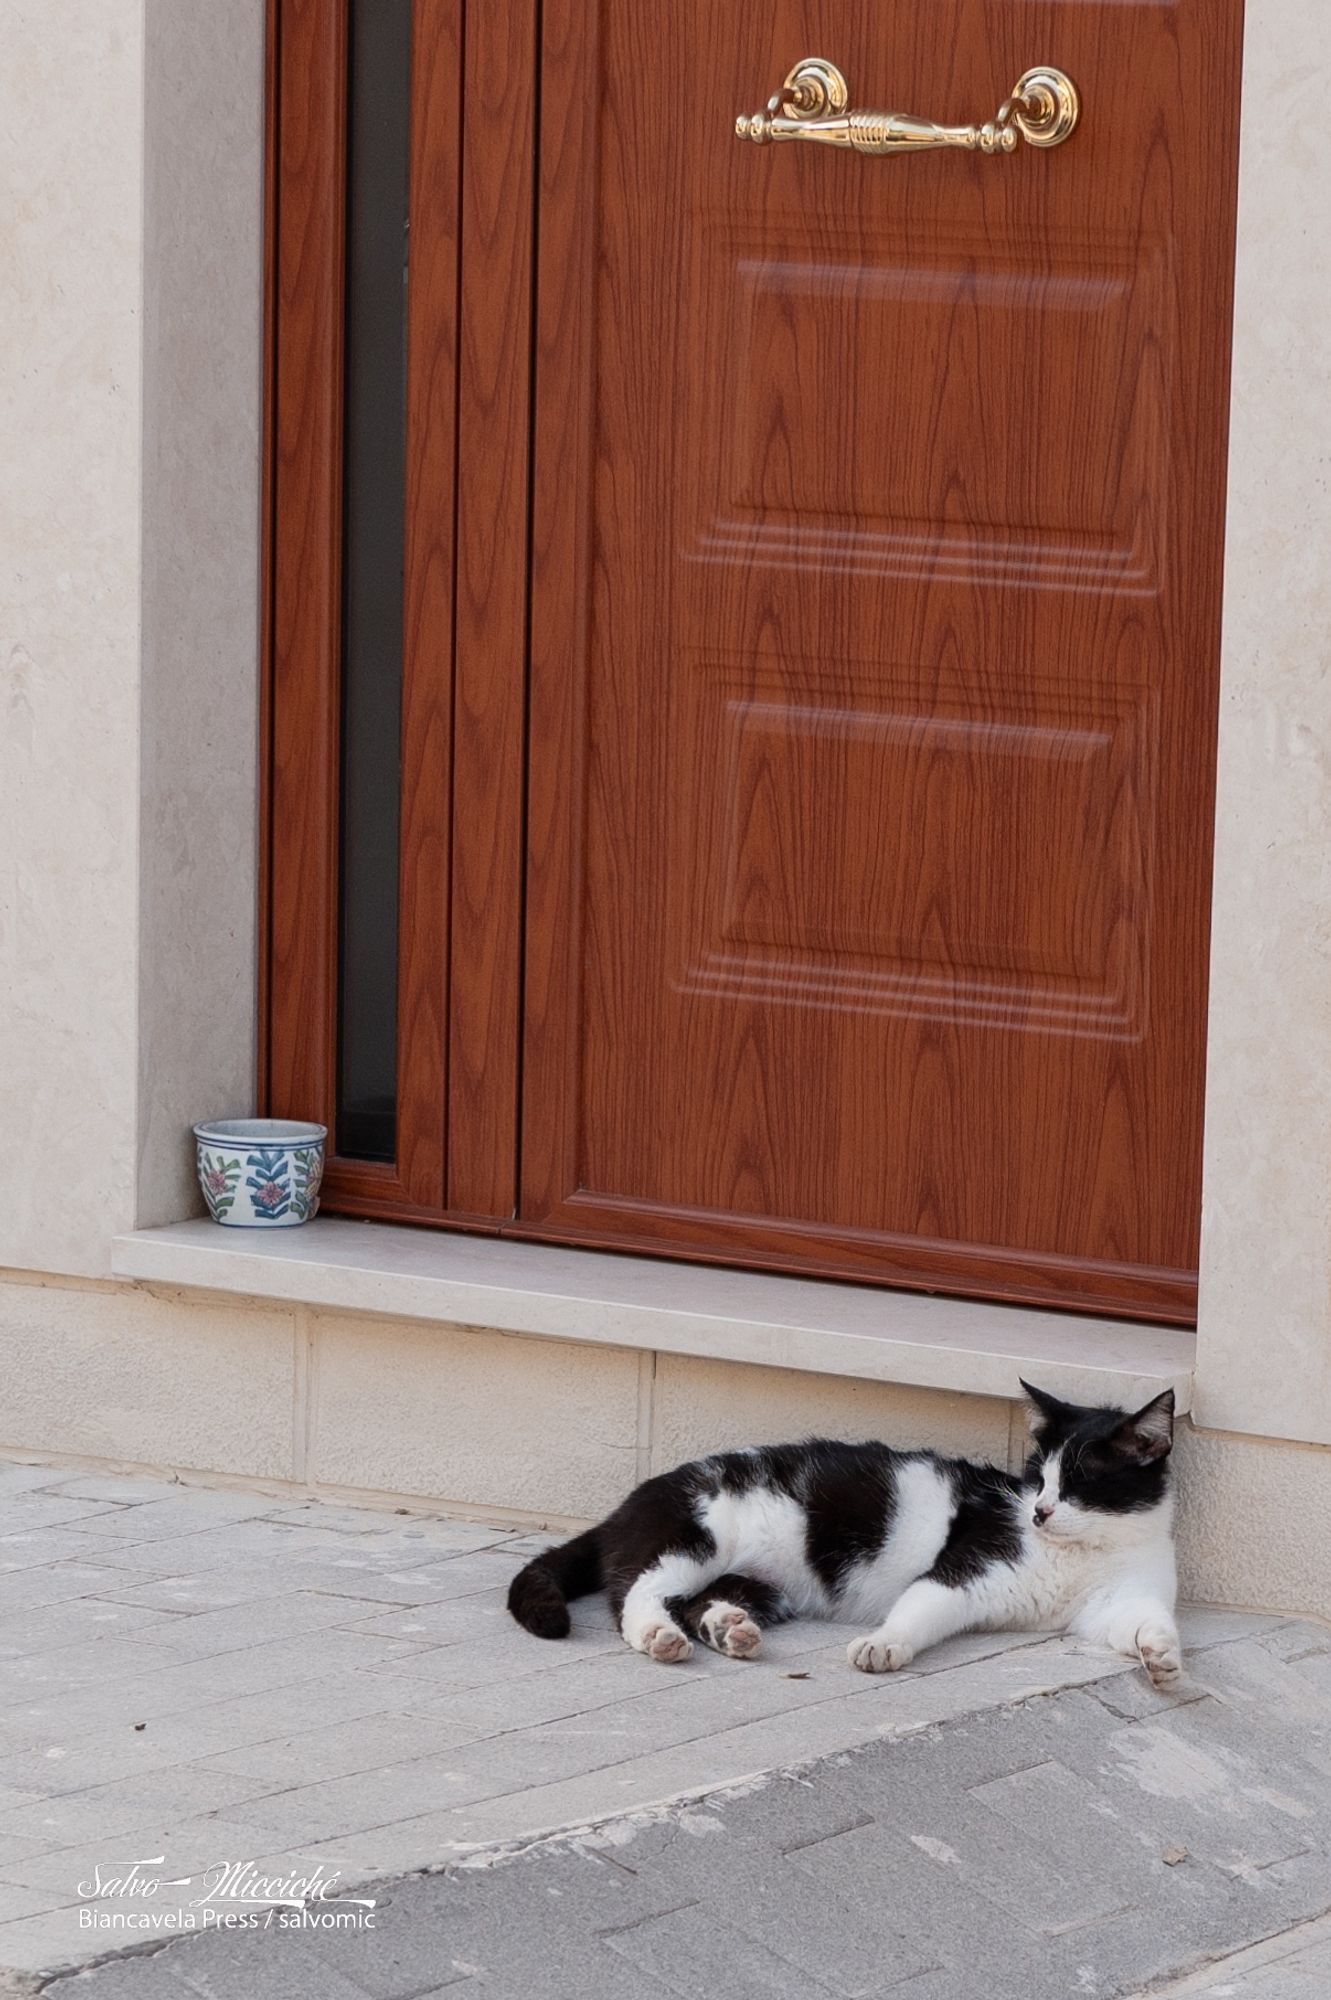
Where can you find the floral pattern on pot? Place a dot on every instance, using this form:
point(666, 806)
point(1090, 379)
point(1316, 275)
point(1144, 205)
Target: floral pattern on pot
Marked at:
point(269, 1183)
point(219, 1178)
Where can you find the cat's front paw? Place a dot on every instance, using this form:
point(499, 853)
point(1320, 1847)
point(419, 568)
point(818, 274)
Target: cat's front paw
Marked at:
point(1158, 1649)
point(879, 1654)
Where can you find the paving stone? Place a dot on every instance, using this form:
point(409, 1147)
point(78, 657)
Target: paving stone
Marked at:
point(1202, 1626)
point(19, 1478)
point(364, 1584)
point(25, 1512)
point(328, 1516)
point(448, 1623)
point(844, 1943)
point(136, 1977)
point(935, 1910)
point(481, 1572)
point(259, 1965)
point(695, 1951)
point(430, 1927)
point(1069, 1859)
point(24, 1590)
point(1298, 1640)
point(73, 1621)
point(92, 1663)
point(203, 1633)
point(341, 1750)
point(126, 1488)
point(190, 1847)
point(50, 1765)
point(467, 1663)
point(592, 1973)
point(118, 1809)
point(213, 1590)
point(33, 1548)
point(1132, 1696)
point(390, 1794)
point(260, 1669)
point(188, 1511)
point(532, 1700)
point(1192, 1778)
point(16, 1902)
point(396, 1958)
point(444, 1537)
point(1295, 1966)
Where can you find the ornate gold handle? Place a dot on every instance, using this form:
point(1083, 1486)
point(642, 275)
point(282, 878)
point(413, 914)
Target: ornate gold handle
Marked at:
point(813, 104)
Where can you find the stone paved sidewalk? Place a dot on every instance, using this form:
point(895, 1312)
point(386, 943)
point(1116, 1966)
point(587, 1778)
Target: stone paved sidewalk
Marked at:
point(215, 1678)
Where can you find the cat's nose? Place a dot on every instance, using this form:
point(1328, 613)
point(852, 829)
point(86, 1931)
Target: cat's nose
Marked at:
point(1042, 1513)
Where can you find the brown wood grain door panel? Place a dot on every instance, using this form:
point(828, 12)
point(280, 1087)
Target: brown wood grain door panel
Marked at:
point(464, 589)
point(876, 563)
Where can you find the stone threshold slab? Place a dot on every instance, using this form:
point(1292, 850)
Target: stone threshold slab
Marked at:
point(648, 1303)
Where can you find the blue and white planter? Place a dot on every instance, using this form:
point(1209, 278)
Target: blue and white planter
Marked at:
point(260, 1173)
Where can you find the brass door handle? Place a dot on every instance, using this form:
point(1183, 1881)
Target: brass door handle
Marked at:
point(813, 104)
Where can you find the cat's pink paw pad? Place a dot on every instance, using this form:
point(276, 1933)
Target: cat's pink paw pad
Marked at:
point(732, 1632)
point(666, 1642)
point(743, 1641)
point(877, 1655)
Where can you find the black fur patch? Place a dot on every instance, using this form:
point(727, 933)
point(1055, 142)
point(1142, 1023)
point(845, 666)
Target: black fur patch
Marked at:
point(657, 1519)
point(986, 1527)
point(850, 1495)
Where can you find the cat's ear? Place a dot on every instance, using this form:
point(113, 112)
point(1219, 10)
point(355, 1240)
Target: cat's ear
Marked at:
point(1149, 1433)
point(1046, 1413)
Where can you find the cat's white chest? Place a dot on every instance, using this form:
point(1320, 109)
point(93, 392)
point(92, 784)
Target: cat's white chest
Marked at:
point(1042, 1591)
point(1057, 1586)
point(1056, 1580)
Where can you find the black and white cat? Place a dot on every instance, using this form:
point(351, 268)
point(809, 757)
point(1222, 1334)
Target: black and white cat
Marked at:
point(918, 1546)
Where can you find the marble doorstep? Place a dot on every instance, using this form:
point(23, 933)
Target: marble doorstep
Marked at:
point(642, 1302)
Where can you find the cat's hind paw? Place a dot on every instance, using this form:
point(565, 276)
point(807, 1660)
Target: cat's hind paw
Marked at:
point(731, 1631)
point(667, 1643)
point(879, 1654)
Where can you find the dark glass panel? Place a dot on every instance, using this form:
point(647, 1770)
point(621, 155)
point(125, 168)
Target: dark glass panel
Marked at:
point(378, 149)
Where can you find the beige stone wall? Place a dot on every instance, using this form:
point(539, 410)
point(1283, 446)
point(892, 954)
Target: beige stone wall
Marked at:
point(1264, 1325)
point(131, 162)
point(107, 1372)
point(1254, 1523)
point(508, 1428)
point(71, 143)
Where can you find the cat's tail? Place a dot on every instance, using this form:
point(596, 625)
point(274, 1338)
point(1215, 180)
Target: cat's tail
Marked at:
point(538, 1595)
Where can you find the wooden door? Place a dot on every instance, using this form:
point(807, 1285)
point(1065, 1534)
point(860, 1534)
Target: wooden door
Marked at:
point(877, 545)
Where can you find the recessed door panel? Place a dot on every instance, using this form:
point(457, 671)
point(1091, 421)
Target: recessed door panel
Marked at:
point(877, 536)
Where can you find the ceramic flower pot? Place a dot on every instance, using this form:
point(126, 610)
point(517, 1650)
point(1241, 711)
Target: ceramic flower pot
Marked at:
point(260, 1173)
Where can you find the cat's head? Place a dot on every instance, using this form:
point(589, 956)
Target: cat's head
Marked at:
point(1093, 1473)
